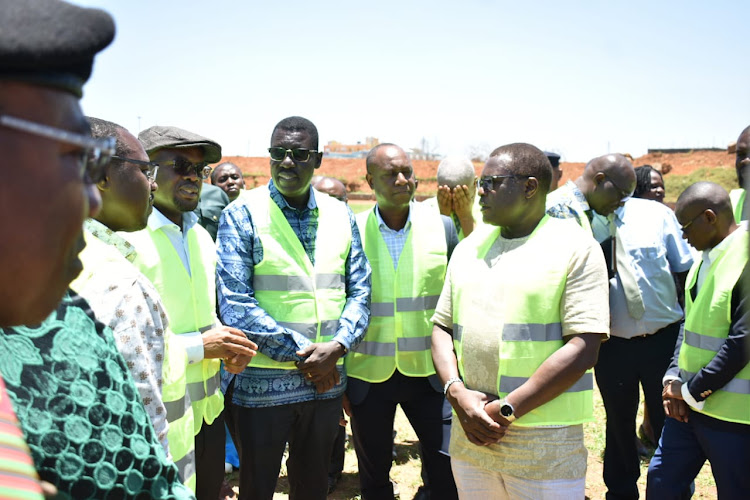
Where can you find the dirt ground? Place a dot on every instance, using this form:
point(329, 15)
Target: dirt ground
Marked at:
point(352, 171)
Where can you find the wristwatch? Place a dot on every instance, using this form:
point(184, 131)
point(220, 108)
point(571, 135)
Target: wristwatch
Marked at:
point(507, 410)
point(449, 383)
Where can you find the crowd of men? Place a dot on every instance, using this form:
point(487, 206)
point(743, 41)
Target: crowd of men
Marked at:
point(145, 312)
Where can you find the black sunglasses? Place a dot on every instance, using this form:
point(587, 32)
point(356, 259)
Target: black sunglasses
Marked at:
point(151, 166)
point(487, 182)
point(299, 155)
point(185, 167)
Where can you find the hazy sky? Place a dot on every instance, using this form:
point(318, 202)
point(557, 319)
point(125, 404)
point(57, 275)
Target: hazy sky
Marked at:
point(580, 78)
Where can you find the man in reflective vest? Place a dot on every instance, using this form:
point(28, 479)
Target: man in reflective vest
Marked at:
point(707, 386)
point(741, 164)
point(179, 258)
point(291, 274)
point(126, 301)
point(517, 330)
point(408, 246)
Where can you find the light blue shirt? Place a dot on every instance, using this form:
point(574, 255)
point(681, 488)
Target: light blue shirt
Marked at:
point(394, 240)
point(652, 238)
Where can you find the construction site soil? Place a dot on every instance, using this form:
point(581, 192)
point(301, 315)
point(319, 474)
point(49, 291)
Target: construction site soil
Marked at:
point(352, 171)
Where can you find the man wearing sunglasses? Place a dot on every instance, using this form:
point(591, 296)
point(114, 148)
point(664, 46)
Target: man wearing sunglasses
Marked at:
point(179, 257)
point(517, 331)
point(69, 384)
point(292, 275)
point(707, 386)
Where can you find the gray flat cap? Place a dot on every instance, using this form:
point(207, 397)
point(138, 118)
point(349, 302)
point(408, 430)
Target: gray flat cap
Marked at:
point(51, 43)
point(160, 137)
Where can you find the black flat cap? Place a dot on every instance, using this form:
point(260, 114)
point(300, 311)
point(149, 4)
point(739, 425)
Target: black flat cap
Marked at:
point(553, 158)
point(51, 43)
point(159, 137)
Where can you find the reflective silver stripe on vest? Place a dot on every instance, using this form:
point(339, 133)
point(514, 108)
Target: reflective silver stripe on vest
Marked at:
point(205, 328)
point(509, 384)
point(309, 330)
point(197, 391)
point(458, 331)
point(282, 283)
point(175, 409)
point(376, 348)
point(328, 328)
point(297, 283)
point(382, 309)
point(412, 304)
point(736, 385)
point(415, 344)
point(333, 281)
point(186, 466)
point(533, 332)
point(703, 342)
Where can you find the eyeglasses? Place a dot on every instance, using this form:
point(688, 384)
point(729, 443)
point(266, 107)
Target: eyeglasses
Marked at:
point(686, 226)
point(96, 151)
point(299, 155)
point(487, 183)
point(184, 167)
point(624, 195)
point(150, 172)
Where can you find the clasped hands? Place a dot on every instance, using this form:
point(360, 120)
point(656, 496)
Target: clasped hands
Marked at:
point(674, 405)
point(319, 364)
point(479, 414)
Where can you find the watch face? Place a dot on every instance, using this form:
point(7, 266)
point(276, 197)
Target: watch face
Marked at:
point(506, 410)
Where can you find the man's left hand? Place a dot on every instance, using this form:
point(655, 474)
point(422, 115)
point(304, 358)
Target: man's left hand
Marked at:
point(320, 360)
point(237, 364)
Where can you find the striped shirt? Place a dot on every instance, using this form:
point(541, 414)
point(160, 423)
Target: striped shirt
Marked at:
point(18, 478)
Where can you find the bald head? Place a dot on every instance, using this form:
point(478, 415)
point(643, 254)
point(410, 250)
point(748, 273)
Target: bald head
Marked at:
point(455, 171)
point(526, 160)
point(607, 182)
point(380, 154)
point(742, 158)
point(330, 186)
point(705, 212)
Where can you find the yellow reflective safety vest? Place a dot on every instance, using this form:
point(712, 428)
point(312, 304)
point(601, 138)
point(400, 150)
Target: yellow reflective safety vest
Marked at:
point(300, 296)
point(99, 257)
point(181, 433)
point(403, 299)
point(737, 197)
point(707, 321)
point(527, 316)
point(190, 302)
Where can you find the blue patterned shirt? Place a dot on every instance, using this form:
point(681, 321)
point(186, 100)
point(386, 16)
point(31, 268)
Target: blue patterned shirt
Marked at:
point(239, 251)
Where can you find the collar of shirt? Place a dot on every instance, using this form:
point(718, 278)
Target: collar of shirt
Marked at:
point(279, 199)
point(709, 256)
point(158, 220)
point(105, 234)
point(384, 227)
point(578, 195)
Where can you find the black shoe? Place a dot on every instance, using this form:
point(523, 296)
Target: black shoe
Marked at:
point(333, 481)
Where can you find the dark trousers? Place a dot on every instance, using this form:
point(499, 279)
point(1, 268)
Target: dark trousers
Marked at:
point(372, 426)
point(685, 447)
point(209, 459)
point(336, 466)
point(623, 365)
point(261, 435)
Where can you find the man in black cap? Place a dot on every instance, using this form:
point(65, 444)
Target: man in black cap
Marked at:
point(69, 385)
point(179, 257)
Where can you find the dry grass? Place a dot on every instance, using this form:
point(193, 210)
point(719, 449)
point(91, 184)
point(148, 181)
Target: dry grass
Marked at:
point(406, 466)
